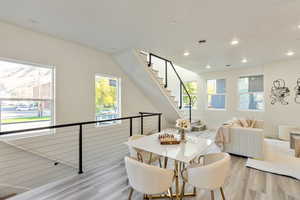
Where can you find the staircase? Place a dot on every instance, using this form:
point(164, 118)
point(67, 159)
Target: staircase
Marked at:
point(156, 82)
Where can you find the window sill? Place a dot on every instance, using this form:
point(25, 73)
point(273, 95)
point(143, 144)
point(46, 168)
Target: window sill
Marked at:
point(108, 125)
point(26, 135)
point(248, 110)
point(216, 109)
point(189, 109)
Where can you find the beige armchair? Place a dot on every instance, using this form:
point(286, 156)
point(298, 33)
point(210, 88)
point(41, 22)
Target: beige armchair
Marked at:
point(247, 142)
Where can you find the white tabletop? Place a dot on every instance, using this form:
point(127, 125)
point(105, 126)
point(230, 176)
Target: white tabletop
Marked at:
point(184, 152)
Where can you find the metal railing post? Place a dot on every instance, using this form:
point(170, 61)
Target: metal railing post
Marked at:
point(80, 171)
point(130, 126)
point(180, 96)
point(150, 59)
point(142, 124)
point(166, 74)
point(159, 122)
point(190, 114)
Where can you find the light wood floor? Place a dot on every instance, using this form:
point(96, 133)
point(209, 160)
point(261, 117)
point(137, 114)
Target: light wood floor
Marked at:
point(111, 183)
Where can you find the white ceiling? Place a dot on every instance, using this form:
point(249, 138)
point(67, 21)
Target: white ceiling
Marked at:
point(267, 29)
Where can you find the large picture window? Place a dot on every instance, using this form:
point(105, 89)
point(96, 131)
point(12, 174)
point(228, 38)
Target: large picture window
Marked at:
point(216, 94)
point(251, 92)
point(108, 102)
point(26, 96)
point(192, 89)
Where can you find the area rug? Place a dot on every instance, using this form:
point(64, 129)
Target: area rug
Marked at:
point(279, 159)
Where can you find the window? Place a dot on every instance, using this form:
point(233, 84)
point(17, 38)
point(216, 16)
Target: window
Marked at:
point(192, 89)
point(251, 92)
point(216, 94)
point(107, 98)
point(26, 96)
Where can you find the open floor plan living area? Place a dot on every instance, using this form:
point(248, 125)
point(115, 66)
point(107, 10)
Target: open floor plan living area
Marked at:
point(143, 100)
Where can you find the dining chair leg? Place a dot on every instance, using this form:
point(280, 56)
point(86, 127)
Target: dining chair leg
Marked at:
point(150, 159)
point(165, 162)
point(222, 193)
point(182, 190)
point(195, 191)
point(159, 160)
point(130, 193)
point(171, 193)
point(212, 195)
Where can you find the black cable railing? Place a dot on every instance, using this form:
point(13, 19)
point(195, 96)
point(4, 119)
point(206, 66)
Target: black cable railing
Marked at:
point(80, 126)
point(182, 85)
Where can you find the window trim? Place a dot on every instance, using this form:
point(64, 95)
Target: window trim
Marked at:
point(119, 98)
point(238, 94)
point(224, 94)
point(52, 100)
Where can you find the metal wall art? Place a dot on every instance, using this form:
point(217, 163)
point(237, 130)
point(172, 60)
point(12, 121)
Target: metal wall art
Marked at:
point(279, 92)
point(297, 92)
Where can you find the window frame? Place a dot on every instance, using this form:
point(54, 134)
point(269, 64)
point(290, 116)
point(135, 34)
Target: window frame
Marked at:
point(51, 100)
point(239, 94)
point(119, 94)
point(223, 94)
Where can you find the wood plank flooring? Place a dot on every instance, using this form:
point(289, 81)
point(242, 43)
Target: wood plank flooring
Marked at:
point(111, 183)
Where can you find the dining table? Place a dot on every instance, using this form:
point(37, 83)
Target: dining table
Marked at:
point(182, 154)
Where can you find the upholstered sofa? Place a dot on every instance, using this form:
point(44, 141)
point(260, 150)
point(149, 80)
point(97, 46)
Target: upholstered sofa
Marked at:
point(247, 142)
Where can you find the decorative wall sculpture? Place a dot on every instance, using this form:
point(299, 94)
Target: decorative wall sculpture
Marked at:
point(279, 92)
point(297, 92)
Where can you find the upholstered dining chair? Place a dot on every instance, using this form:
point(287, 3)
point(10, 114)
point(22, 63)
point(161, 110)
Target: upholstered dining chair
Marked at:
point(141, 155)
point(210, 174)
point(148, 179)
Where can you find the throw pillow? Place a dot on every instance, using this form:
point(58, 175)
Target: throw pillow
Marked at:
point(253, 123)
point(244, 123)
point(236, 123)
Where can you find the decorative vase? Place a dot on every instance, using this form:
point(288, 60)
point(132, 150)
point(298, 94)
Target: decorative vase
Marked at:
point(182, 135)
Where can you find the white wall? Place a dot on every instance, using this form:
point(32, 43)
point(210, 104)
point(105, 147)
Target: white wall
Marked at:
point(76, 66)
point(273, 115)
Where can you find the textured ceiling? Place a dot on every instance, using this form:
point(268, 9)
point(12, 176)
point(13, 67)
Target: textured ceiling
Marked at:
point(266, 29)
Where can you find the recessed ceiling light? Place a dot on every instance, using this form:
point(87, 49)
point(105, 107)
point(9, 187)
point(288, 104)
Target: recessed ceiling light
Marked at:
point(244, 60)
point(290, 53)
point(298, 26)
point(186, 53)
point(208, 66)
point(234, 42)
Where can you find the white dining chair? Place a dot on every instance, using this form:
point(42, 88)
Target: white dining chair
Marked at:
point(141, 155)
point(211, 174)
point(148, 179)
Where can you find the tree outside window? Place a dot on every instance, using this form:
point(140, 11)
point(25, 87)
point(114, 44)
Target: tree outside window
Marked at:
point(192, 89)
point(107, 98)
